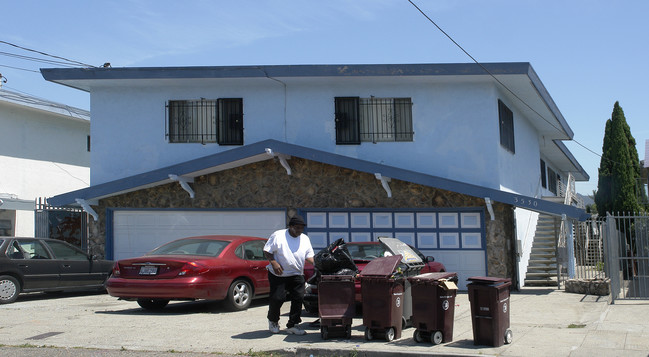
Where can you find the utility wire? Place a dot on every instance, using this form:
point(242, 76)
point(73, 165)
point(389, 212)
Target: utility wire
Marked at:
point(36, 59)
point(47, 54)
point(502, 84)
point(18, 68)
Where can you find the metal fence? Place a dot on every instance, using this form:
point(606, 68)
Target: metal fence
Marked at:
point(589, 249)
point(627, 259)
point(68, 224)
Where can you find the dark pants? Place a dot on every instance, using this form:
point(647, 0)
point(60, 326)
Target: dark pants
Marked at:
point(279, 288)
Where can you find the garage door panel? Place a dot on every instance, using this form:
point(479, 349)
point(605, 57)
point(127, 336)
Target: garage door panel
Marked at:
point(455, 238)
point(137, 232)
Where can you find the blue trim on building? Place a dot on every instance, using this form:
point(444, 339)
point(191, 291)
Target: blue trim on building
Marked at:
point(160, 176)
point(81, 77)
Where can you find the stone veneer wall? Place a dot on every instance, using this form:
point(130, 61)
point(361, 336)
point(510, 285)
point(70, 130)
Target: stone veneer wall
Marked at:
point(312, 185)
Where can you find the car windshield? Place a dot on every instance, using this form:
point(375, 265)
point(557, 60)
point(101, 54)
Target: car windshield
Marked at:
point(365, 251)
point(205, 247)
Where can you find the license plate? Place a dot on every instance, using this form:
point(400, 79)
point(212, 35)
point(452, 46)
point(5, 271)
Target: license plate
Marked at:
point(148, 270)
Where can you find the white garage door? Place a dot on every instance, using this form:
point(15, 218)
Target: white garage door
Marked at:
point(137, 232)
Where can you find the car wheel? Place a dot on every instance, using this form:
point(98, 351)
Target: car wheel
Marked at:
point(310, 307)
point(152, 304)
point(9, 289)
point(239, 295)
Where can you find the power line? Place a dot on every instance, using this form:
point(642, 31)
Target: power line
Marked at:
point(18, 68)
point(47, 54)
point(499, 82)
point(36, 59)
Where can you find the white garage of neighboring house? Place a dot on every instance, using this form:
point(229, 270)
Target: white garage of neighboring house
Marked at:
point(246, 191)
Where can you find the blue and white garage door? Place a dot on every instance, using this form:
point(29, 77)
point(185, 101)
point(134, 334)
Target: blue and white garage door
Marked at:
point(455, 238)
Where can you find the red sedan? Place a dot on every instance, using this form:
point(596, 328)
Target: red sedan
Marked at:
point(230, 268)
point(363, 253)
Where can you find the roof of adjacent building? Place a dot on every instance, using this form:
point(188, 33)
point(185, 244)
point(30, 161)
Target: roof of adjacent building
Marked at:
point(35, 103)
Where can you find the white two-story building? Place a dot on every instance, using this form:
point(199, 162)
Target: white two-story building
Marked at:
point(451, 158)
point(44, 151)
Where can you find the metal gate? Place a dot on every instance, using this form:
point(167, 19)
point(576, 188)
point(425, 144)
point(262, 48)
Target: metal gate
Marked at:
point(627, 261)
point(69, 224)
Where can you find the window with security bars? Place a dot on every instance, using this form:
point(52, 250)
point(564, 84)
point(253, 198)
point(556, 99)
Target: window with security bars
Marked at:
point(205, 121)
point(506, 119)
point(372, 119)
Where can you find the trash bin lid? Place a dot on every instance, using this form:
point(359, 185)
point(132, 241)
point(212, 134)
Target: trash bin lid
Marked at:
point(395, 246)
point(430, 277)
point(489, 280)
point(383, 266)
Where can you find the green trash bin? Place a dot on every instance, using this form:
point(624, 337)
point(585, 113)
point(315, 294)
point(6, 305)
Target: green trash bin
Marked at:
point(490, 307)
point(382, 298)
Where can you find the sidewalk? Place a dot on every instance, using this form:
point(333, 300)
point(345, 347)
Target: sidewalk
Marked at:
point(545, 322)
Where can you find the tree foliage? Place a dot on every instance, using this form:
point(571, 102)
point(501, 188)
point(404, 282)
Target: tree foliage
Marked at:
point(619, 167)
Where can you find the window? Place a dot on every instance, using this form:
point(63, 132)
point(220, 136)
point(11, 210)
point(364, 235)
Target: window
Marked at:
point(66, 252)
point(373, 119)
point(205, 121)
point(506, 118)
point(253, 250)
point(552, 181)
point(544, 181)
point(33, 250)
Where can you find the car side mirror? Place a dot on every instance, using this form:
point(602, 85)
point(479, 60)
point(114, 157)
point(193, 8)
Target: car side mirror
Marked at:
point(93, 257)
point(430, 259)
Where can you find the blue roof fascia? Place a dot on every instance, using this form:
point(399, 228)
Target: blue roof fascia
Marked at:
point(160, 175)
point(351, 70)
point(547, 99)
point(572, 158)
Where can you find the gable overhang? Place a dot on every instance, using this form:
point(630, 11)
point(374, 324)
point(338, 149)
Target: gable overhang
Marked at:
point(516, 81)
point(259, 152)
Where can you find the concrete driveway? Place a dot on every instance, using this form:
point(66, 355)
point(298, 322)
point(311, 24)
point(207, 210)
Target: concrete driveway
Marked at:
point(544, 322)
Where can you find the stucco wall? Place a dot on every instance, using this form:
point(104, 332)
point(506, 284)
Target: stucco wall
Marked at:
point(456, 132)
point(312, 185)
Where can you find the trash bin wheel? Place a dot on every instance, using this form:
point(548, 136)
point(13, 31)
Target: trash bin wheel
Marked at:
point(389, 334)
point(436, 337)
point(368, 334)
point(508, 336)
point(324, 332)
point(348, 331)
point(417, 336)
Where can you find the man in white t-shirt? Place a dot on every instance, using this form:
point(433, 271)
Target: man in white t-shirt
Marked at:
point(287, 250)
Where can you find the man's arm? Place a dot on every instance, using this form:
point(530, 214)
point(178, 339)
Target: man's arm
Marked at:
point(277, 268)
point(310, 260)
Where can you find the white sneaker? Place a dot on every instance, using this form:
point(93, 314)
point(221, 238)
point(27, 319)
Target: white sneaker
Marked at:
point(295, 331)
point(273, 327)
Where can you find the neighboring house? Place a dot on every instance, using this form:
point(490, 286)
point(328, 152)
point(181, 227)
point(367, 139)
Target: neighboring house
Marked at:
point(441, 156)
point(44, 151)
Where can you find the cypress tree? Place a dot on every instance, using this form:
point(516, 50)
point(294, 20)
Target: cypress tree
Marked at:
point(619, 167)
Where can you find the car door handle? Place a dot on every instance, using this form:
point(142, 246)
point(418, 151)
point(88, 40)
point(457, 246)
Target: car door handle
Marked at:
point(66, 265)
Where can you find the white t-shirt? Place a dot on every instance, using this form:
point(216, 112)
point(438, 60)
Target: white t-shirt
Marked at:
point(290, 252)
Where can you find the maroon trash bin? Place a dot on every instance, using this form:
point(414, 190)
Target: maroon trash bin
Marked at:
point(382, 298)
point(336, 305)
point(433, 306)
point(490, 306)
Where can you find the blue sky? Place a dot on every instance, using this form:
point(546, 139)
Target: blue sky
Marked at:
point(588, 54)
